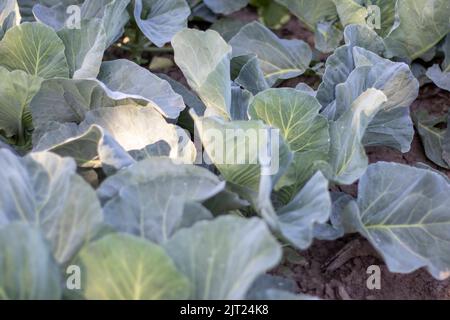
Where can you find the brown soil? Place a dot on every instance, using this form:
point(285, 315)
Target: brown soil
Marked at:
point(346, 277)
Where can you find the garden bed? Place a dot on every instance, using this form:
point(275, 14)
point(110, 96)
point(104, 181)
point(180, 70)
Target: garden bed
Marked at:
point(149, 122)
point(348, 280)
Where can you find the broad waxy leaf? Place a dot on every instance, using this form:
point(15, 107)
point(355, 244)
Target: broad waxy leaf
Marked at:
point(112, 13)
point(129, 125)
point(201, 11)
point(128, 80)
point(224, 201)
point(296, 114)
point(225, 6)
point(278, 58)
point(341, 63)
point(90, 148)
point(67, 100)
point(403, 212)
point(66, 140)
point(351, 11)
point(204, 58)
point(327, 37)
point(249, 155)
point(227, 27)
point(311, 12)
point(149, 170)
point(433, 137)
point(17, 88)
point(127, 129)
point(334, 229)
point(49, 198)
point(223, 257)
point(28, 270)
point(162, 18)
point(348, 159)
point(84, 48)
point(6, 8)
point(123, 267)
point(55, 14)
point(310, 206)
point(249, 74)
point(158, 149)
point(393, 126)
point(189, 98)
point(150, 198)
point(352, 70)
point(419, 26)
point(9, 15)
point(439, 77)
point(368, 13)
point(35, 49)
point(235, 147)
point(271, 13)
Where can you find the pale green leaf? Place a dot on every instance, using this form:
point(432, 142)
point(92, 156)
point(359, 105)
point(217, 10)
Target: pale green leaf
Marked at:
point(327, 37)
point(249, 73)
point(150, 198)
point(112, 14)
point(129, 126)
point(403, 212)
point(67, 100)
point(160, 20)
point(123, 267)
point(84, 48)
point(296, 114)
point(341, 63)
point(9, 15)
point(223, 257)
point(56, 14)
point(228, 27)
point(432, 136)
point(439, 77)
point(89, 147)
point(28, 270)
point(419, 26)
point(204, 58)
point(109, 132)
point(125, 79)
point(348, 159)
point(278, 58)
point(49, 198)
point(35, 49)
point(311, 12)
point(310, 206)
point(17, 88)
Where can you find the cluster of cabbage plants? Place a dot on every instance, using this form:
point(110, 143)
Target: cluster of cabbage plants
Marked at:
point(159, 225)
